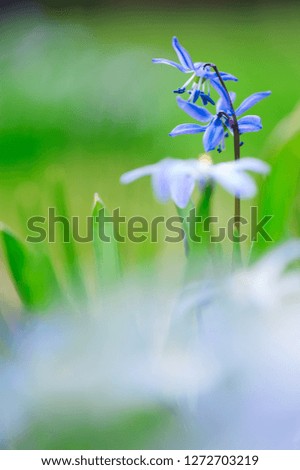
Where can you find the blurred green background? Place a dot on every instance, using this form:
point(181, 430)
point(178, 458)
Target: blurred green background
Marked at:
point(81, 102)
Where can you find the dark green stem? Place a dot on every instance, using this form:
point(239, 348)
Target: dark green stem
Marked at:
point(236, 137)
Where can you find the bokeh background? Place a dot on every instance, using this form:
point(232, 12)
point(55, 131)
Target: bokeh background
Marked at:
point(82, 102)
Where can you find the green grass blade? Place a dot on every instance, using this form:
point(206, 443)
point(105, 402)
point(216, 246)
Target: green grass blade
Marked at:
point(201, 251)
point(107, 256)
point(190, 215)
point(184, 213)
point(203, 210)
point(72, 264)
point(279, 195)
point(32, 273)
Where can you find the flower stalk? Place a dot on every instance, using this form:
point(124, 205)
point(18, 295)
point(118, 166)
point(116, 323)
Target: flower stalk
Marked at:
point(237, 144)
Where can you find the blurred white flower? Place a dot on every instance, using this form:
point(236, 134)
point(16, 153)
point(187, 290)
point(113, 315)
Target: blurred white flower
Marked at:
point(176, 179)
point(222, 374)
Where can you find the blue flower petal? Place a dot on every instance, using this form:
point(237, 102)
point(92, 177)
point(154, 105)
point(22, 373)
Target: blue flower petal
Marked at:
point(222, 104)
point(170, 62)
point(196, 112)
point(249, 124)
point(183, 56)
point(221, 92)
point(251, 101)
point(187, 129)
point(204, 71)
point(225, 76)
point(213, 135)
point(228, 76)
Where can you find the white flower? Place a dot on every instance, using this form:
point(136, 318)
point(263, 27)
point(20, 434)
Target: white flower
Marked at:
point(176, 179)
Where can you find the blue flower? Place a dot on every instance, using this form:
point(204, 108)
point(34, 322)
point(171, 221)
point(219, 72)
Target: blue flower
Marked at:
point(201, 75)
point(176, 179)
point(216, 131)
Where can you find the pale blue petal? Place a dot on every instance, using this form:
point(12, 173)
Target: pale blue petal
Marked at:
point(222, 105)
point(181, 185)
point(251, 101)
point(249, 124)
point(161, 178)
point(187, 129)
point(253, 164)
point(279, 258)
point(213, 135)
point(133, 175)
point(196, 112)
point(183, 56)
point(235, 182)
point(170, 62)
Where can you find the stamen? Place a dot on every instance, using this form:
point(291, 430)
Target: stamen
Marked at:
point(200, 84)
point(223, 143)
point(192, 93)
point(188, 81)
point(180, 91)
point(205, 158)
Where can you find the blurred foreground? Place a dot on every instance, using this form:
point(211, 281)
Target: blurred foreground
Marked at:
point(215, 366)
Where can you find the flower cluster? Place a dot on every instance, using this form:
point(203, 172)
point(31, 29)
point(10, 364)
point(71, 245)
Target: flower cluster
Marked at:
point(219, 124)
point(176, 179)
point(201, 76)
point(222, 121)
